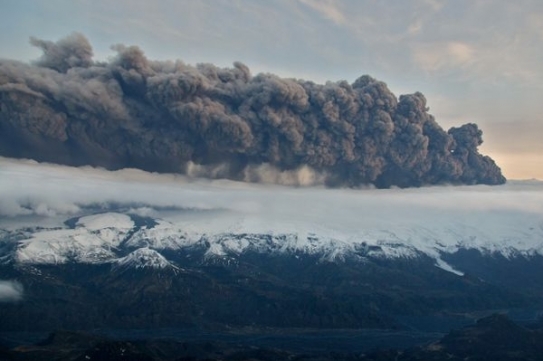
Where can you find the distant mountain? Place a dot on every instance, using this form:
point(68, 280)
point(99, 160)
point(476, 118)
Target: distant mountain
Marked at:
point(117, 269)
point(144, 258)
point(126, 239)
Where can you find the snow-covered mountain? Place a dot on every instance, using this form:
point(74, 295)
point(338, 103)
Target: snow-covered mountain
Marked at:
point(124, 238)
point(144, 258)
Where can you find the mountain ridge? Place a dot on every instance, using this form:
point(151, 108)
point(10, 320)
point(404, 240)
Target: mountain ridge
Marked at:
point(107, 237)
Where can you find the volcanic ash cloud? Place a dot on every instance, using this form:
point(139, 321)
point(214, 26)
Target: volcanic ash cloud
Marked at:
point(213, 122)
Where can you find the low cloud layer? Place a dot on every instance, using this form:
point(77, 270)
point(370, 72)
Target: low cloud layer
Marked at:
point(53, 192)
point(10, 291)
point(226, 123)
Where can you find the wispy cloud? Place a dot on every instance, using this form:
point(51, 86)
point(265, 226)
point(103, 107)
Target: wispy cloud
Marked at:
point(329, 9)
point(535, 24)
point(436, 5)
point(10, 291)
point(481, 43)
point(443, 56)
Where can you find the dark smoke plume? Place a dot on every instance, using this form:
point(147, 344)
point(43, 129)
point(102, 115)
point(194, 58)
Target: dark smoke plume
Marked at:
point(216, 122)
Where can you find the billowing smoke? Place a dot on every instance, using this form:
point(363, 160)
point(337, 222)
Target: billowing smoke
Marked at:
point(215, 122)
point(10, 291)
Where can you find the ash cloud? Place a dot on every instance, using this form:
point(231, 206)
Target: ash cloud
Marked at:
point(225, 122)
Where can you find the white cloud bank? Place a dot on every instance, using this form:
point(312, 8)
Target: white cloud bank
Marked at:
point(33, 189)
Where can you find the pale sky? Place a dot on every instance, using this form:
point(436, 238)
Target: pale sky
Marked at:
point(475, 60)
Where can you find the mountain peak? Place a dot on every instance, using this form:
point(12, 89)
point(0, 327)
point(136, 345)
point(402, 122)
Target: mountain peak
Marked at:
point(143, 258)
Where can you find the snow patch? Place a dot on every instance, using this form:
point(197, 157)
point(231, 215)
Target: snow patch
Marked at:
point(447, 267)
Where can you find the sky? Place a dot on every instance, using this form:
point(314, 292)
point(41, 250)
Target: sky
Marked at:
point(474, 60)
